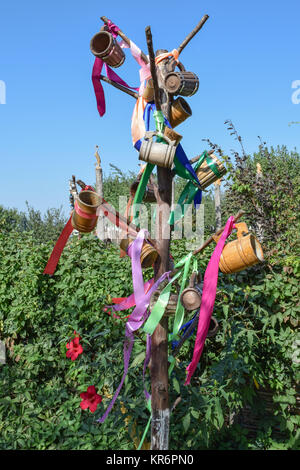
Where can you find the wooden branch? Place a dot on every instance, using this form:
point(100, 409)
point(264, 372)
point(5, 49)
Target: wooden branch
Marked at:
point(127, 40)
point(192, 34)
point(132, 93)
point(195, 159)
point(153, 68)
point(210, 239)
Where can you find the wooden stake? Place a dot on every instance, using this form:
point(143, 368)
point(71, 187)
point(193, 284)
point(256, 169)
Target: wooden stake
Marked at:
point(192, 33)
point(159, 340)
point(132, 93)
point(218, 204)
point(126, 39)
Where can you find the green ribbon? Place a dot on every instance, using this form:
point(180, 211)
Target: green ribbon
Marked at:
point(157, 313)
point(191, 188)
point(147, 425)
point(138, 197)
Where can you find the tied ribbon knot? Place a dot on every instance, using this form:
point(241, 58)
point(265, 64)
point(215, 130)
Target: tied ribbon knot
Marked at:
point(174, 53)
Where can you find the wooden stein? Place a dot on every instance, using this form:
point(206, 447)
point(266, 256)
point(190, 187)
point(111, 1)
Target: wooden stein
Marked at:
point(182, 83)
point(148, 94)
point(172, 303)
point(180, 111)
point(191, 296)
point(104, 46)
point(149, 195)
point(172, 135)
point(241, 253)
point(157, 153)
point(84, 217)
point(213, 327)
point(206, 175)
point(148, 253)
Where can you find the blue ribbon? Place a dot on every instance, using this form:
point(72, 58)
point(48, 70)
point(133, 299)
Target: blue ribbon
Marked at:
point(180, 153)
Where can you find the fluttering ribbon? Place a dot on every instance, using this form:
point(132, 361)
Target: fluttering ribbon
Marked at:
point(58, 248)
point(113, 76)
point(191, 192)
point(138, 316)
point(208, 299)
point(165, 55)
point(109, 212)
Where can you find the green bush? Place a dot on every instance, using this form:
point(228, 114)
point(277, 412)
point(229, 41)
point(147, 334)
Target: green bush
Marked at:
point(255, 348)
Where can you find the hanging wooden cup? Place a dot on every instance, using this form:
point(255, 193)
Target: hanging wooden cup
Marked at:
point(172, 303)
point(157, 153)
point(172, 135)
point(241, 253)
point(148, 253)
point(148, 94)
point(104, 46)
point(149, 195)
point(84, 217)
point(191, 296)
point(180, 111)
point(213, 327)
point(182, 83)
point(205, 174)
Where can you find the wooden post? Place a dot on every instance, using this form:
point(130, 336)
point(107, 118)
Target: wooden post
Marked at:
point(100, 229)
point(218, 204)
point(259, 227)
point(159, 340)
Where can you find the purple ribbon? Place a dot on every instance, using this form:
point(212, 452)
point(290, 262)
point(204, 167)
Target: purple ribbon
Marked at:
point(139, 314)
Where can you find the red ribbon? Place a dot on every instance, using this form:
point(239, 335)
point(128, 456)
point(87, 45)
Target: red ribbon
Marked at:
point(58, 248)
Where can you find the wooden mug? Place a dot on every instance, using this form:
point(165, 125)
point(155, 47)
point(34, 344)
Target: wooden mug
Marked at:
point(191, 296)
point(241, 253)
point(182, 83)
point(148, 253)
point(180, 111)
point(205, 174)
point(157, 153)
point(85, 218)
point(104, 46)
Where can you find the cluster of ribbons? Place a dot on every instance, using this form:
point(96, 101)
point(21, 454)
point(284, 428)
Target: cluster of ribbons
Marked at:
point(140, 122)
point(142, 317)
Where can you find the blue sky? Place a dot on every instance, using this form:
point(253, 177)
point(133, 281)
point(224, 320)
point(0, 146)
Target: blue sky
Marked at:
point(246, 57)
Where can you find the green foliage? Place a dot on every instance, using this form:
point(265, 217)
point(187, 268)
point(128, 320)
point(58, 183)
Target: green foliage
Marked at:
point(256, 348)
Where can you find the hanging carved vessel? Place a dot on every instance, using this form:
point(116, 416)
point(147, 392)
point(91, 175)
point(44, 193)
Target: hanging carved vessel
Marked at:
point(191, 296)
point(210, 171)
point(157, 153)
point(180, 111)
point(84, 217)
point(148, 253)
point(182, 83)
point(241, 253)
point(104, 46)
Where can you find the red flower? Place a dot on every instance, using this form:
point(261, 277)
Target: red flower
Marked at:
point(90, 399)
point(74, 347)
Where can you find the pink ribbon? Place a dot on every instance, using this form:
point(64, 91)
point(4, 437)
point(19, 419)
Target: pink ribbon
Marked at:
point(83, 214)
point(208, 299)
point(98, 88)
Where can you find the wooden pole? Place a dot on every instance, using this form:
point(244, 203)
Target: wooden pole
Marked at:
point(192, 33)
point(126, 39)
point(132, 93)
point(159, 339)
point(218, 204)
point(100, 229)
